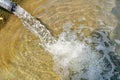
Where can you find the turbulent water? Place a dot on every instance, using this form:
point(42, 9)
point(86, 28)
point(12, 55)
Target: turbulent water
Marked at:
point(93, 58)
point(78, 57)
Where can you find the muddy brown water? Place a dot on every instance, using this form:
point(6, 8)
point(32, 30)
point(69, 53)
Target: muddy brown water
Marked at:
point(21, 57)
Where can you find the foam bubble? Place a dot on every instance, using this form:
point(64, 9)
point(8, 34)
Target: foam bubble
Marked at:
point(92, 58)
point(74, 58)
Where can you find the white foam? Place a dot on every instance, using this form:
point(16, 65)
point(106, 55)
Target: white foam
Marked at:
point(77, 60)
point(117, 41)
point(74, 58)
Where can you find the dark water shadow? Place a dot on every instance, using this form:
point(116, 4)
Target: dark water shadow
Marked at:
point(98, 39)
point(46, 26)
point(114, 59)
point(5, 14)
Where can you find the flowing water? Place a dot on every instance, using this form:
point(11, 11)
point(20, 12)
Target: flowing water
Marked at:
point(85, 48)
point(35, 26)
point(86, 53)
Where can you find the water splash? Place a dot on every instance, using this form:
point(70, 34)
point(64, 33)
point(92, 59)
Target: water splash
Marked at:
point(92, 58)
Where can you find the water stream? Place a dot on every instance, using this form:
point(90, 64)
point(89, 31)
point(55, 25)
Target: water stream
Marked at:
point(35, 26)
point(77, 57)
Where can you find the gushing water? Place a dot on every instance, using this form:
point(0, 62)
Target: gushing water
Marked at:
point(35, 26)
point(92, 58)
point(30, 22)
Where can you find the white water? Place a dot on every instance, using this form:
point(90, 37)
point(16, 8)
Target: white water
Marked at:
point(92, 58)
point(75, 59)
point(78, 60)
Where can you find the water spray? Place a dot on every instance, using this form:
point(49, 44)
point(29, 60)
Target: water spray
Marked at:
point(74, 59)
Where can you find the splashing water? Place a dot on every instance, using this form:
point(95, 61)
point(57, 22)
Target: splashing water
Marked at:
point(92, 58)
point(74, 59)
point(78, 60)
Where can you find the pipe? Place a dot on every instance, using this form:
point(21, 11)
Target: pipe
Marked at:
point(8, 5)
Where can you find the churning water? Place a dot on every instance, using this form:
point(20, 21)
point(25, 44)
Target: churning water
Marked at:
point(76, 56)
point(92, 58)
